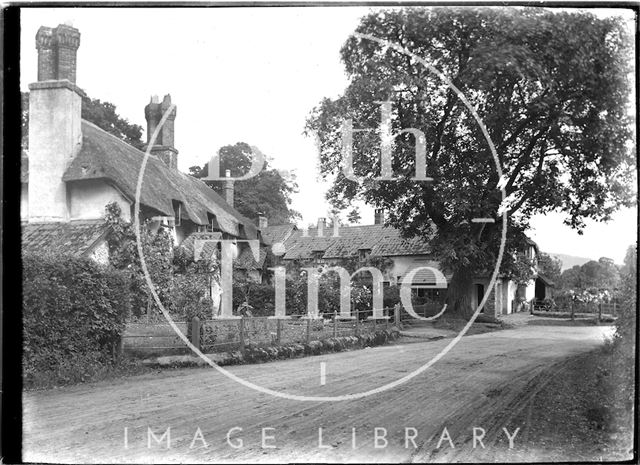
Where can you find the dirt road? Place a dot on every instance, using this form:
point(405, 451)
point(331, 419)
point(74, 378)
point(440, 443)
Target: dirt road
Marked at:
point(481, 383)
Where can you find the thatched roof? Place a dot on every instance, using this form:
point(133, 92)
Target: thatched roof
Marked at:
point(104, 156)
point(382, 241)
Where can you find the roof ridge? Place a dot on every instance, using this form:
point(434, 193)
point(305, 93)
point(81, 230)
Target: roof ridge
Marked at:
point(95, 126)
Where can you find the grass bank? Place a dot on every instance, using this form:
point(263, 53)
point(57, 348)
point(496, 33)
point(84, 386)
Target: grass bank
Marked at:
point(585, 413)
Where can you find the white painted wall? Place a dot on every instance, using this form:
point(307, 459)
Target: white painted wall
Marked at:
point(89, 198)
point(530, 290)
point(405, 263)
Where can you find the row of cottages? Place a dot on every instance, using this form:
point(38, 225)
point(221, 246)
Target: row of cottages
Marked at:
point(73, 169)
point(324, 245)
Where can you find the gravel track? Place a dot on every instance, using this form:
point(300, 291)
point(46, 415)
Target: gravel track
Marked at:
point(484, 382)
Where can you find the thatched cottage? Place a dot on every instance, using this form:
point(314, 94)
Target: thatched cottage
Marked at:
point(73, 169)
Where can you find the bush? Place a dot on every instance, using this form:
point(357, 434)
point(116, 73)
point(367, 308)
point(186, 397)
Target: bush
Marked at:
point(260, 296)
point(190, 297)
point(74, 313)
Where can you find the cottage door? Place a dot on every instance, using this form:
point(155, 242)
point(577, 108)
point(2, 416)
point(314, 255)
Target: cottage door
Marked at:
point(480, 295)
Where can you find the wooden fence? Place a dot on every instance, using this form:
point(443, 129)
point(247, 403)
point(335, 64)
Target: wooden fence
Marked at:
point(224, 335)
point(597, 311)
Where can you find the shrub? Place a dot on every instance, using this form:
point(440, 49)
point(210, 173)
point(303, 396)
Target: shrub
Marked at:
point(260, 296)
point(74, 312)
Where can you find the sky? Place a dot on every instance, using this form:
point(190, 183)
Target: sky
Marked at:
point(251, 75)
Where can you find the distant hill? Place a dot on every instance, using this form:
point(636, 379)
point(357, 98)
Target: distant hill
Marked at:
point(569, 261)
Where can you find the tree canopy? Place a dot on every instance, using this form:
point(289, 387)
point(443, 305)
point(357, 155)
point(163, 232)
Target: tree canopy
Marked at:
point(552, 90)
point(601, 274)
point(268, 193)
point(550, 266)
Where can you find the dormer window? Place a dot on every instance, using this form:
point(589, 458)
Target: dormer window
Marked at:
point(364, 254)
point(317, 256)
point(213, 223)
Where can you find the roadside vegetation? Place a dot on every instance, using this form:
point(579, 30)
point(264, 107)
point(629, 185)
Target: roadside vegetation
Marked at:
point(587, 413)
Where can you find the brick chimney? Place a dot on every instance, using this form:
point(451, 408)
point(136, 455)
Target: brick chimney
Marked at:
point(57, 48)
point(262, 222)
point(163, 148)
point(228, 188)
point(55, 135)
point(379, 216)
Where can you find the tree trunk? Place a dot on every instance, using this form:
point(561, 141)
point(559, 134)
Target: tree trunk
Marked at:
point(459, 293)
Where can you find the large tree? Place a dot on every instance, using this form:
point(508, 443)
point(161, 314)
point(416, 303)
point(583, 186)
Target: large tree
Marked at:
point(268, 193)
point(552, 90)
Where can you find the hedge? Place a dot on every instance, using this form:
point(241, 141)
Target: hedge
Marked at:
point(74, 313)
point(258, 354)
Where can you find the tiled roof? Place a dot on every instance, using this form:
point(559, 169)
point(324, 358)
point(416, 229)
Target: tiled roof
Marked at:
point(277, 233)
point(75, 238)
point(104, 156)
point(383, 241)
point(205, 249)
point(246, 260)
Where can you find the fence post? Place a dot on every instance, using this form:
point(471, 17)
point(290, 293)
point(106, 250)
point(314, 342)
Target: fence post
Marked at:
point(614, 308)
point(572, 309)
point(195, 332)
point(120, 348)
point(357, 329)
point(386, 319)
point(335, 324)
point(396, 315)
point(375, 325)
point(278, 330)
point(241, 333)
point(600, 312)
point(308, 330)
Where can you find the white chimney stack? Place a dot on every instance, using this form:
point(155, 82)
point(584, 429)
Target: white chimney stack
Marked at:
point(55, 135)
point(321, 225)
point(228, 188)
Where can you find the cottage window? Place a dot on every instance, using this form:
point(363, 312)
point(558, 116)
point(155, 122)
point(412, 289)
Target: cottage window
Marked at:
point(317, 256)
point(363, 254)
point(434, 295)
point(213, 224)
